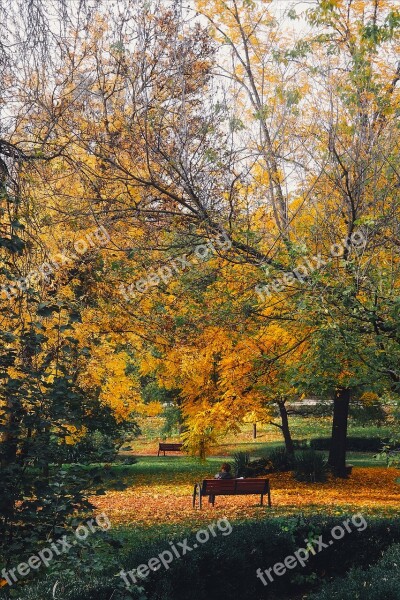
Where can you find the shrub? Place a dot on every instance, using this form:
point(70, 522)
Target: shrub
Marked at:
point(72, 588)
point(260, 466)
point(244, 467)
point(310, 466)
point(280, 459)
point(379, 582)
point(241, 462)
point(366, 414)
point(217, 569)
point(63, 493)
point(300, 444)
point(354, 444)
point(94, 447)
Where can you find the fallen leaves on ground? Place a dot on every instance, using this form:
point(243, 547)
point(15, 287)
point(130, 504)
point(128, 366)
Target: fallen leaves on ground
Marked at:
point(150, 501)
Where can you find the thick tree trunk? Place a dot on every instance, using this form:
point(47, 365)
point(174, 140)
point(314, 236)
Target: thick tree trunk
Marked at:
point(337, 453)
point(285, 428)
point(254, 431)
point(202, 450)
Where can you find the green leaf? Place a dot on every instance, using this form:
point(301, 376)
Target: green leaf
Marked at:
point(75, 317)
point(45, 309)
point(17, 225)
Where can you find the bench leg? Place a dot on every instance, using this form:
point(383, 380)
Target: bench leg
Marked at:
point(197, 490)
point(269, 498)
point(262, 500)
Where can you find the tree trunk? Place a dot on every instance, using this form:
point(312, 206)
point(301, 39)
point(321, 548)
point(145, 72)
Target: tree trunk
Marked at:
point(337, 453)
point(285, 428)
point(202, 450)
point(254, 431)
point(46, 465)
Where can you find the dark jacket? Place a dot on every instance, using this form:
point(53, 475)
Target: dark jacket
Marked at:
point(223, 475)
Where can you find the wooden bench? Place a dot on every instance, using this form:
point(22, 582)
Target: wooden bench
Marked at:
point(393, 455)
point(395, 452)
point(231, 487)
point(168, 447)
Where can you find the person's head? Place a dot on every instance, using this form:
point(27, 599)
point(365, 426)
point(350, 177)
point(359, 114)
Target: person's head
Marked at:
point(226, 467)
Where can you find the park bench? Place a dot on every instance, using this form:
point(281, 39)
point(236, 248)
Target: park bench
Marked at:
point(231, 487)
point(168, 447)
point(394, 454)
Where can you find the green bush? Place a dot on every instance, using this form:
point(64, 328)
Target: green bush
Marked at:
point(24, 526)
point(354, 444)
point(94, 447)
point(241, 462)
point(366, 414)
point(259, 466)
point(310, 466)
point(379, 582)
point(225, 566)
point(244, 467)
point(72, 588)
point(280, 459)
point(300, 444)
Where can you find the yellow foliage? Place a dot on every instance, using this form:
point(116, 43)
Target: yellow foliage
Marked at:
point(152, 409)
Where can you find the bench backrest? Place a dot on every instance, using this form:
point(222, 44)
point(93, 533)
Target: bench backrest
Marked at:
point(251, 486)
point(218, 486)
point(170, 446)
point(234, 486)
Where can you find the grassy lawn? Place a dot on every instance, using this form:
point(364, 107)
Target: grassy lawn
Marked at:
point(159, 490)
point(268, 436)
point(154, 496)
point(149, 504)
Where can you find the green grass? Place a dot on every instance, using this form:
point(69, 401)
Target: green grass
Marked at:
point(307, 428)
point(268, 436)
point(156, 470)
point(180, 469)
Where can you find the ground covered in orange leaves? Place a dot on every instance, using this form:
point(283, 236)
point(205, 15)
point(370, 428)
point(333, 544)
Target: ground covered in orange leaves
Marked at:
point(159, 492)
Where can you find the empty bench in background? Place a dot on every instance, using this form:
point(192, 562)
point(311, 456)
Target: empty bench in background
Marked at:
point(231, 487)
point(168, 448)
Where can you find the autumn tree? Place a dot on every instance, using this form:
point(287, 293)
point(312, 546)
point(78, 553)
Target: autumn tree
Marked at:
point(171, 131)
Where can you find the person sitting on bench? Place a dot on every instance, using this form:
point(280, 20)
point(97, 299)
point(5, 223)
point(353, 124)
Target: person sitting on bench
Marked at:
point(224, 473)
